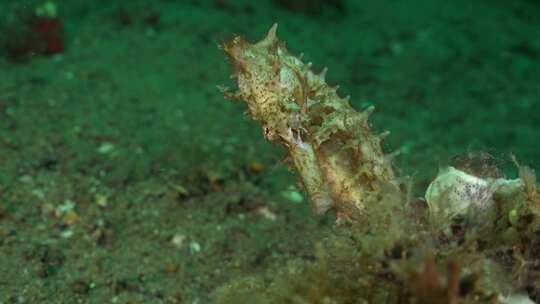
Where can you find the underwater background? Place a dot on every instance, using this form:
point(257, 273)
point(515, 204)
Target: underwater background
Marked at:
point(126, 177)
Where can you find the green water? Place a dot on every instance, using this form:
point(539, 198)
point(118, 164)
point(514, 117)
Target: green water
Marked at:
point(125, 177)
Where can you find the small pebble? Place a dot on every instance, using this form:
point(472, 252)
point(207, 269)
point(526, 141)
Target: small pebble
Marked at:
point(178, 240)
point(101, 200)
point(106, 148)
point(194, 247)
point(293, 195)
point(267, 213)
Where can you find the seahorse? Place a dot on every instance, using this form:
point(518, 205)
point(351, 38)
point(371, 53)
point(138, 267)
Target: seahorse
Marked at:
point(340, 162)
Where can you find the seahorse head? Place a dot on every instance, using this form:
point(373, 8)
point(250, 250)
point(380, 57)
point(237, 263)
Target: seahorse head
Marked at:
point(268, 77)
